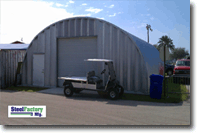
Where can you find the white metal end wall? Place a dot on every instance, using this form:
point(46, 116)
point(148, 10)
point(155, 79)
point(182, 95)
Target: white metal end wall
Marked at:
point(112, 43)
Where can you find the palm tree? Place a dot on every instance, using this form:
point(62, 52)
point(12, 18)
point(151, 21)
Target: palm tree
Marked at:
point(166, 40)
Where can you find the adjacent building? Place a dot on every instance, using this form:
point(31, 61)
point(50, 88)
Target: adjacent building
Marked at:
point(10, 55)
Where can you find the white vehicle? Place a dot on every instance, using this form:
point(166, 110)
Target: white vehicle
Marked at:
point(94, 83)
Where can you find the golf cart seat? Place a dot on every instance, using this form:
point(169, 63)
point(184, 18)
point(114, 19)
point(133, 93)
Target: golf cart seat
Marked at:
point(92, 79)
point(90, 74)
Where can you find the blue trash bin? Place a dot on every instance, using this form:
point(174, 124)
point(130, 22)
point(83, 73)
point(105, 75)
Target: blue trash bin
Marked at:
point(156, 86)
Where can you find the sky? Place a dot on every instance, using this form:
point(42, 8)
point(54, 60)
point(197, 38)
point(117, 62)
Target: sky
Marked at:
point(25, 19)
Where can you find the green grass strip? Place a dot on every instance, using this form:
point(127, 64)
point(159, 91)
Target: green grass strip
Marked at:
point(176, 97)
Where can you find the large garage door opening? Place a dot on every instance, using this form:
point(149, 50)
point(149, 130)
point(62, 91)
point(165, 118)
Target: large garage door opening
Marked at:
point(71, 55)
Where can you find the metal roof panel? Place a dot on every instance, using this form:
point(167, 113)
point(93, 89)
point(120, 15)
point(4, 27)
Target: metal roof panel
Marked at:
point(14, 46)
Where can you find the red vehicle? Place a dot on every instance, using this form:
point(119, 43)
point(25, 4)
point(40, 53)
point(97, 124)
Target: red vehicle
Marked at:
point(182, 67)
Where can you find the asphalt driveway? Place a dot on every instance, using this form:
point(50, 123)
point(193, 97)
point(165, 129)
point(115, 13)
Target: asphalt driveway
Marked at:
point(90, 109)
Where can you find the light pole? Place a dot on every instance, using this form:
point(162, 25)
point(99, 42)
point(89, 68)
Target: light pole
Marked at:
point(148, 27)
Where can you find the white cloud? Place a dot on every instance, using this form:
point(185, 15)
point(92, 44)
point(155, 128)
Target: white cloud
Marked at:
point(120, 12)
point(152, 18)
point(84, 4)
point(50, 3)
point(94, 10)
point(145, 15)
point(145, 21)
point(112, 15)
point(82, 15)
point(59, 5)
point(142, 25)
point(100, 18)
point(27, 18)
point(71, 1)
point(111, 6)
point(66, 5)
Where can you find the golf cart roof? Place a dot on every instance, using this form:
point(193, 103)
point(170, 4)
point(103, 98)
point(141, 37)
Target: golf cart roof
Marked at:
point(100, 60)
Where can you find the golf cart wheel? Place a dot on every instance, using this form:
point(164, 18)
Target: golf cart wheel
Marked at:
point(68, 91)
point(77, 91)
point(122, 91)
point(113, 94)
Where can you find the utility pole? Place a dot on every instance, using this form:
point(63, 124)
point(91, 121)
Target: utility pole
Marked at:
point(148, 27)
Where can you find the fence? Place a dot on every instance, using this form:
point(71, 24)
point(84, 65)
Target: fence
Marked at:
point(8, 66)
point(177, 85)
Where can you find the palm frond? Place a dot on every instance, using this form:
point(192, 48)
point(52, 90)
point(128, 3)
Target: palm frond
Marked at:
point(166, 40)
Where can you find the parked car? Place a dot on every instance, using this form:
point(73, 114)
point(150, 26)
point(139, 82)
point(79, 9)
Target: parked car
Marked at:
point(169, 69)
point(182, 67)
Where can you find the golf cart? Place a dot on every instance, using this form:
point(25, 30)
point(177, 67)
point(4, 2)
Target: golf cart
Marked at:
point(112, 89)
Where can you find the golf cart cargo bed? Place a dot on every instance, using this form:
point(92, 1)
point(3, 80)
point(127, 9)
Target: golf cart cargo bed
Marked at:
point(74, 78)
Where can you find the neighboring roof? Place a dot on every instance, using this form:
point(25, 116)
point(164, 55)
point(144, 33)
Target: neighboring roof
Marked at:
point(100, 60)
point(17, 42)
point(14, 46)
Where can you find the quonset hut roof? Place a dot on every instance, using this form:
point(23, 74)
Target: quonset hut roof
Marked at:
point(14, 46)
point(145, 48)
point(148, 51)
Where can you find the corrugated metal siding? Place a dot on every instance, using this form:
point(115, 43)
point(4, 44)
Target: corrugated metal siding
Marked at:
point(41, 39)
point(112, 43)
point(8, 66)
point(30, 62)
point(24, 71)
point(53, 55)
point(150, 56)
point(47, 65)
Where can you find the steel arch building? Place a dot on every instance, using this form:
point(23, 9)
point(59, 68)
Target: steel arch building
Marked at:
point(60, 50)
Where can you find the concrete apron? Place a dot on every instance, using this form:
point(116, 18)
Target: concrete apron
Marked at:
point(59, 91)
point(56, 91)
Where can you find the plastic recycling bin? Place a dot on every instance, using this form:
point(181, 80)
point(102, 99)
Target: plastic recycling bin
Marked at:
point(156, 86)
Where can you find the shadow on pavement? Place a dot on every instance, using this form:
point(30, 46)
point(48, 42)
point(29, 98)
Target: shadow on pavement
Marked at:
point(93, 96)
point(6, 90)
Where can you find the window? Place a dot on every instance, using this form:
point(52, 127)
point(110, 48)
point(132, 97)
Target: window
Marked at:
point(183, 63)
